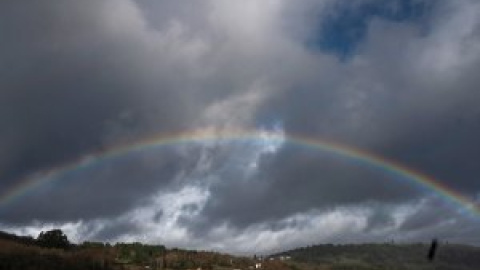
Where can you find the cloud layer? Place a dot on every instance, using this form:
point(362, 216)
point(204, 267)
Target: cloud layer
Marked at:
point(80, 79)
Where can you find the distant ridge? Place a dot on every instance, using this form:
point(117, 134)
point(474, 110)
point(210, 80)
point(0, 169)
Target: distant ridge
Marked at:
point(385, 256)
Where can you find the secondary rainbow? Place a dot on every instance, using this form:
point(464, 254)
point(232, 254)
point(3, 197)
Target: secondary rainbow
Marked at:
point(32, 182)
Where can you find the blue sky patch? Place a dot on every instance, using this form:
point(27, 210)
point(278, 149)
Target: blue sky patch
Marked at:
point(345, 27)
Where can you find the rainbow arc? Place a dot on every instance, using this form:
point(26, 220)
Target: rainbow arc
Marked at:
point(376, 162)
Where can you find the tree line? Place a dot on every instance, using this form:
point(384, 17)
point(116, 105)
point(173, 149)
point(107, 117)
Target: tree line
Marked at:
point(53, 251)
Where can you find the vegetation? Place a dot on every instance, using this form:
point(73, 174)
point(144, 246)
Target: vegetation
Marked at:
point(53, 239)
point(384, 256)
point(52, 250)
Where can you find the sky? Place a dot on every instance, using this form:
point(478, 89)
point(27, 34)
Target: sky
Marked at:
point(85, 85)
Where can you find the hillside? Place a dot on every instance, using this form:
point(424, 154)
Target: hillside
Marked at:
point(383, 256)
point(52, 250)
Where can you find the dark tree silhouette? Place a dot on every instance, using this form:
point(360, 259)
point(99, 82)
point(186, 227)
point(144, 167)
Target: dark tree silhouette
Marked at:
point(53, 239)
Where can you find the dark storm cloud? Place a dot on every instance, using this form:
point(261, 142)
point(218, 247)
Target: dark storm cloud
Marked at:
point(433, 130)
point(77, 80)
point(297, 180)
point(81, 77)
point(102, 190)
point(114, 229)
point(382, 105)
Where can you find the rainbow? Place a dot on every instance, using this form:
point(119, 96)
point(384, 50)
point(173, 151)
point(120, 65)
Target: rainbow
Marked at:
point(421, 180)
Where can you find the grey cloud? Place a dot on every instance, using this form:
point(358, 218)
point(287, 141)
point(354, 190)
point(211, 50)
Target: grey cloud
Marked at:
point(380, 218)
point(113, 230)
point(81, 78)
point(296, 180)
point(432, 212)
point(382, 103)
point(102, 190)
